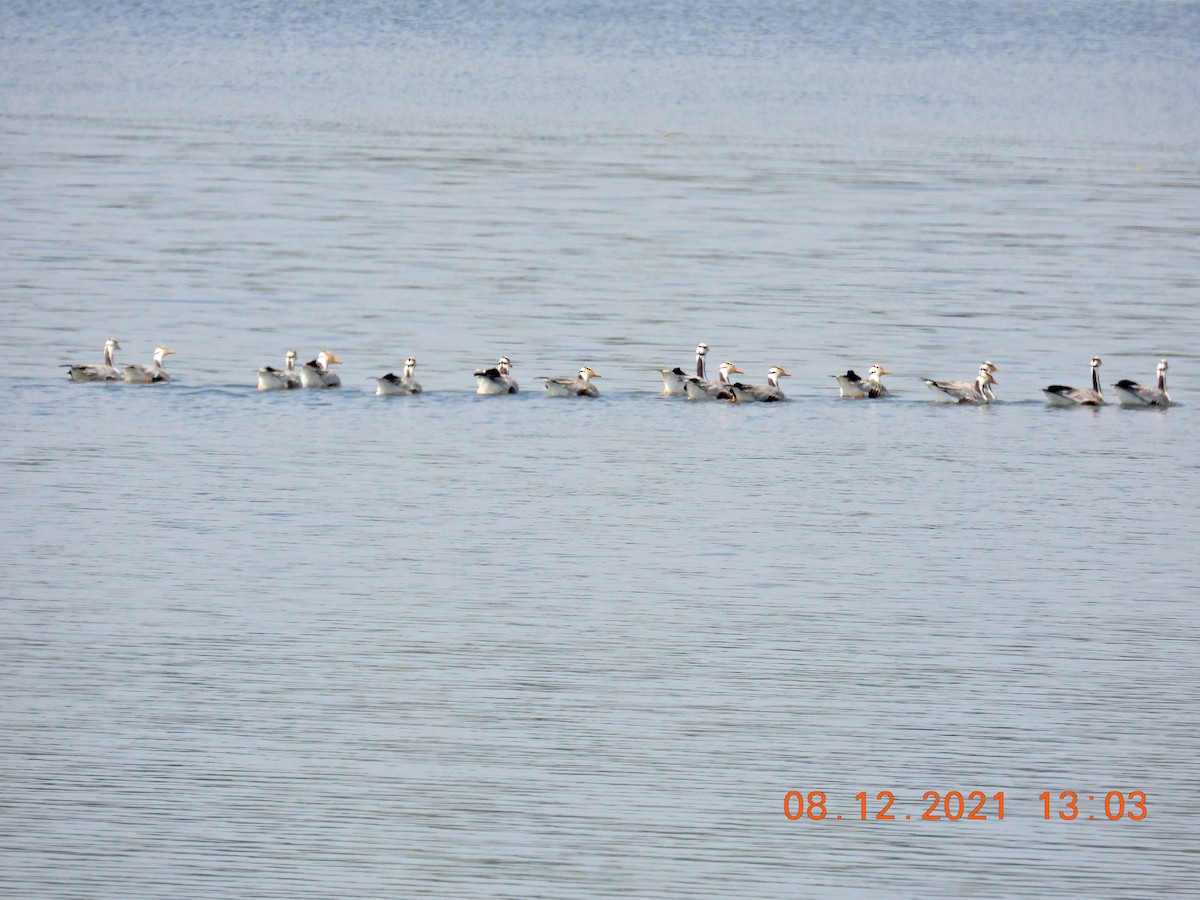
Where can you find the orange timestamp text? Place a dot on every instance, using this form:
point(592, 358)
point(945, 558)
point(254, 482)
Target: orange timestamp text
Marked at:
point(968, 806)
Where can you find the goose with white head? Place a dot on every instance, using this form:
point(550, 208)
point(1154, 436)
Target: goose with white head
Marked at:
point(674, 379)
point(1130, 393)
point(105, 371)
point(285, 379)
point(579, 386)
point(854, 386)
point(496, 381)
point(977, 391)
point(1069, 397)
point(317, 374)
point(393, 385)
point(698, 389)
point(761, 393)
point(151, 374)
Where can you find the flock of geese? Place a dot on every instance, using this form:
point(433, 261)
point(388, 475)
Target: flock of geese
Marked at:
point(498, 379)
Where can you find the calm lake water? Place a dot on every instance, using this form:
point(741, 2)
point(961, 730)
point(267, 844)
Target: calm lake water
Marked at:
point(314, 644)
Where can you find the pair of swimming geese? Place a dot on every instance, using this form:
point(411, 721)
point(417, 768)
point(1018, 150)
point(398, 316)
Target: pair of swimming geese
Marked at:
point(131, 374)
point(499, 380)
point(1129, 393)
point(316, 373)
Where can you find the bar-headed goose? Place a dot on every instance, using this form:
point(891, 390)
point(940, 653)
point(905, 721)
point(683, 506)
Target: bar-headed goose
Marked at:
point(498, 380)
point(1061, 395)
point(761, 393)
point(976, 391)
point(855, 386)
point(393, 385)
point(579, 386)
point(151, 374)
point(317, 374)
point(1133, 394)
point(698, 389)
point(106, 371)
point(272, 379)
point(673, 379)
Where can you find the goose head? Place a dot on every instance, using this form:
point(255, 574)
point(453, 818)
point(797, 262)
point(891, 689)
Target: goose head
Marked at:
point(727, 368)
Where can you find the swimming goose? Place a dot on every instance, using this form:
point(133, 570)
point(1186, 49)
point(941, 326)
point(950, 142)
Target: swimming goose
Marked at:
point(854, 385)
point(698, 389)
point(393, 385)
point(673, 379)
point(965, 391)
point(496, 381)
point(151, 374)
point(317, 374)
point(580, 386)
point(1133, 394)
point(106, 371)
point(1061, 395)
point(272, 379)
point(763, 393)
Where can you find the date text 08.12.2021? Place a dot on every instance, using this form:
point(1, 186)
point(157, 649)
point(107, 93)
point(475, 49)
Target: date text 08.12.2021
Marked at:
point(967, 806)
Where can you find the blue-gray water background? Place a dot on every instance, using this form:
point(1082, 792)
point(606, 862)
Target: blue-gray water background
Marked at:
point(330, 644)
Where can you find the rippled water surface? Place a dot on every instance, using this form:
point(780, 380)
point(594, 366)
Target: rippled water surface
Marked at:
point(329, 644)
